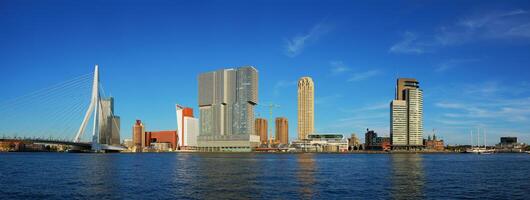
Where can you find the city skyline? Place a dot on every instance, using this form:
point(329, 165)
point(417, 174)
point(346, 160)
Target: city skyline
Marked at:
point(354, 64)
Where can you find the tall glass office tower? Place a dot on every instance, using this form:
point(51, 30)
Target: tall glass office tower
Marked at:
point(406, 118)
point(226, 105)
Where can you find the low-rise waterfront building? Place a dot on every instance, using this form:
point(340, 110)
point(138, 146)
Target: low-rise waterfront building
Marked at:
point(433, 143)
point(354, 143)
point(160, 147)
point(510, 144)
point(128, 143)
point(373, 142)
point(322, 142)
point(155, 140)
point(383, 143)
point(370, 139)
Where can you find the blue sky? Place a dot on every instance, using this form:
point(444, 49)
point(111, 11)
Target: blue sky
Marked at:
point(471, 57)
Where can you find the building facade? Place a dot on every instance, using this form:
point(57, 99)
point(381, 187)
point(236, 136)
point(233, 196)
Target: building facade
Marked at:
point(226, 105)
point(325, 142)
point(508, 140)
point(373, 142)
point(191, 132)
point(370, 138)
point(406, 122)
point(187, 128)
point(398, 123)
point(261, 130)
point(510, 144)
point(138, 136)
point(383, 144)
point(415, 116)
point(354, 143)
point(404, 84)
point(306, 107)
point(115, 131)
point(282, 131)
point(109, 124)
point(159, 140)
point(433, 143)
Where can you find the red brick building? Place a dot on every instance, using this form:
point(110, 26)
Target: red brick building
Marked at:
point(161, 137)
point(385, 144)
point(433, 144)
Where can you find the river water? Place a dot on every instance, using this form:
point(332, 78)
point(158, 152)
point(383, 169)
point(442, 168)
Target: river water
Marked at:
point(263, 176)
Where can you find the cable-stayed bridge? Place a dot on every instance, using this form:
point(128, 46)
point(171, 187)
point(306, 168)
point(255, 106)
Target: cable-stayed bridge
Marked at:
point(75, 112)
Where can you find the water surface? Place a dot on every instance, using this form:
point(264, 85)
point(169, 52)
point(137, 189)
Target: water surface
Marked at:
point(263, 176)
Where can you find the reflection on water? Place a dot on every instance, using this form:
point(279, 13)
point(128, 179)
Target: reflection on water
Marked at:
point(99, 175)
point(407, 176)
point(224, 176)
point(305, 174)
point(262, 176)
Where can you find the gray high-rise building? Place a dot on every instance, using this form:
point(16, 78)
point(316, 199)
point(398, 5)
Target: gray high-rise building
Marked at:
point(109, 124)
point(115, 132)
point(226, 105)
point(406, 118)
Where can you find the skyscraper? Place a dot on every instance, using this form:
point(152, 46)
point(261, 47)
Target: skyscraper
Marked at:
point(191, 132)
point(306, 107)
point(115, 132)
point(399, 121)
point(138, 138)
point(261, 129)
point(187, 128)
point(282, 130)
point(109, 124)
point(415, 116)
point(406, 123)
point(226, 105)
point(404, 84)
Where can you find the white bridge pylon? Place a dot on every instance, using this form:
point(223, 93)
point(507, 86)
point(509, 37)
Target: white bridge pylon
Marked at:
point(93, 109)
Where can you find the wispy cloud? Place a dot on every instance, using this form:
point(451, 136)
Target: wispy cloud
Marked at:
point(360, 122)
point(410, 44)
point(338, 67)
point(467, 111)
point(484, 89)
point(327, 99)
point(449, 105)
point(493, 25)
point(383, 106)
point(296, 45)
point(491, 101)
point(363, 75)
point(280, 85)
point(452, 63)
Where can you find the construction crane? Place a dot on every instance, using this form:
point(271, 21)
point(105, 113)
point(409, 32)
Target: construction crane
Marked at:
point(271, 107)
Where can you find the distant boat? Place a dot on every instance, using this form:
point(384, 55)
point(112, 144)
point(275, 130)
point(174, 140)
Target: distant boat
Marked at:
point(478, 149)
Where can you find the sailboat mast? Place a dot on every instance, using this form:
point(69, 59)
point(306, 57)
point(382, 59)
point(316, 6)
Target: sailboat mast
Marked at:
point(484, 137)
point(478, 137)
point(471, 138)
